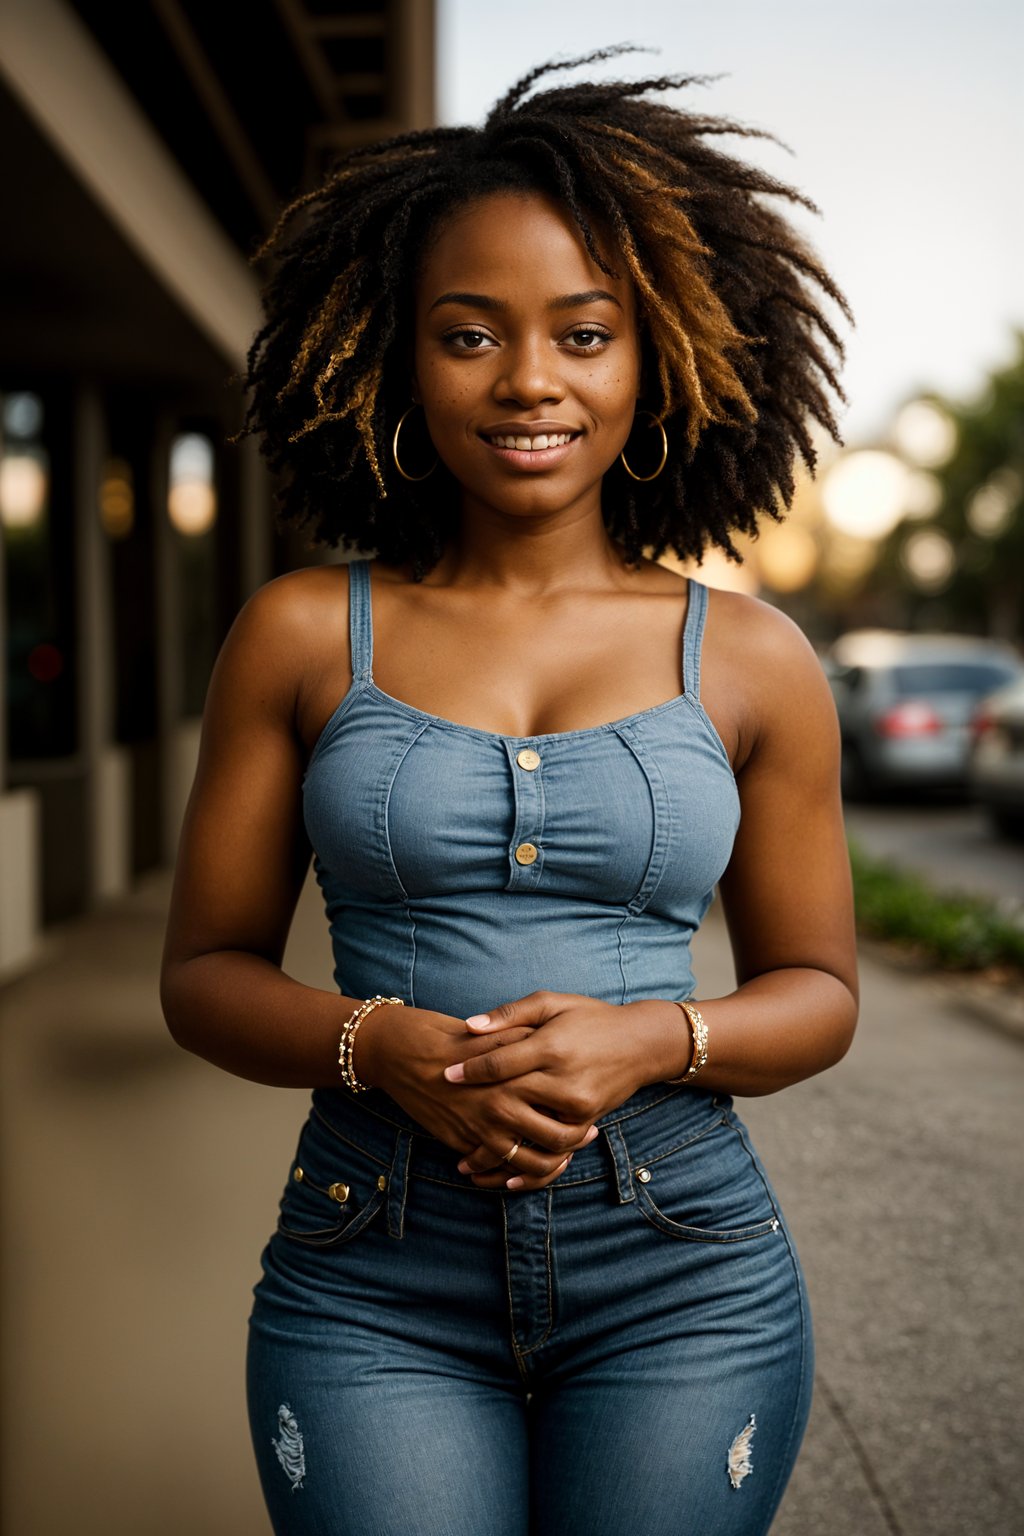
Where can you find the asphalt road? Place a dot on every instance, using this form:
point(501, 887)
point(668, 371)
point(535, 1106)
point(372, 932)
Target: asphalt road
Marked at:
point(139, 1185)
point(953, 845)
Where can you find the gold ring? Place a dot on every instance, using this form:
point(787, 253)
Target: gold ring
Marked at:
point(510, 1154)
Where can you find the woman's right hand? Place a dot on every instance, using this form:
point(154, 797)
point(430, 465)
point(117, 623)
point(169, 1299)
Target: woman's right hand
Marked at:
point(404, 1051)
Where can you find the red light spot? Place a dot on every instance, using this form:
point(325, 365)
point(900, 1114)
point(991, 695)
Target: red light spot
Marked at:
point(45, 663)
point(914, 717)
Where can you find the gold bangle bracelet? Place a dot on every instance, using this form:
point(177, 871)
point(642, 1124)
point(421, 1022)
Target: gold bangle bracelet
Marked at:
point(349, 1030)
point(699, 1038)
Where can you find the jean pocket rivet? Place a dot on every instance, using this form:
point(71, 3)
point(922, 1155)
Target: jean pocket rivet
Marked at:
point(644, 1175)
point(382, 1182)
point(298, 1175)
point(339, 1192)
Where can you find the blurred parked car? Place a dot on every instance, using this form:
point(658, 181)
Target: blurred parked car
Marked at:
point(996, 770)
point(905, 704)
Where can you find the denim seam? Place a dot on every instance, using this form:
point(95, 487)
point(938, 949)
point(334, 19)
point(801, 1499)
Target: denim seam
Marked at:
point(711, 733)
point(520, 1353)
point(622, 961)
point(384, 806)
point(547, 1270)
point(714, 1237)
point(516, 1351)
point(661, 813)
point(805, 1334)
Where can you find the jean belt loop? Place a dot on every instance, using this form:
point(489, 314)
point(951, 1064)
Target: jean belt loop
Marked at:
point(398, 1183)
point(620, 1160)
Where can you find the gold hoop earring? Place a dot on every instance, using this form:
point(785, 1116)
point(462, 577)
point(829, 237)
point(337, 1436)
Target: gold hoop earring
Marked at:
point(657, 421)
point(394, 449)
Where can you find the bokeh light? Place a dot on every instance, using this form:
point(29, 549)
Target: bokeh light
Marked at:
point(192, 499)
point(117, 499)
point(866, 493)
point(925, 434)
point(993, 507)
point(929, 559)
point(22, 415)
point(787, 557)
point(923, 495)
point(23, 488)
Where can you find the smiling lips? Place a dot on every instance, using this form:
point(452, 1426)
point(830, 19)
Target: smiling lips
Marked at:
point(531, 444)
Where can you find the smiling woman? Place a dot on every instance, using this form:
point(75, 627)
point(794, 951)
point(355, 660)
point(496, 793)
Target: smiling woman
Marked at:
point(735, 346)
point(529, 1274)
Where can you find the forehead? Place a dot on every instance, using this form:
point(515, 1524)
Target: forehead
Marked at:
point(515, 244)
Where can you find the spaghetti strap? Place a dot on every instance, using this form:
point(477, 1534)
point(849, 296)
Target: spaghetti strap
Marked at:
point(693, 632)
point(360, 620)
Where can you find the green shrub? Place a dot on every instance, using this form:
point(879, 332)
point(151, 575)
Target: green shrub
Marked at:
point(960, 932)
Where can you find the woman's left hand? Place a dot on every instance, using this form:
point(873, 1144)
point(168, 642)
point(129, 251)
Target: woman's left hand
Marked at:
point(588, 1058)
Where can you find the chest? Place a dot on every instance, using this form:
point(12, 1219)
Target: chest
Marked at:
point(401, 806)
point(531, 668)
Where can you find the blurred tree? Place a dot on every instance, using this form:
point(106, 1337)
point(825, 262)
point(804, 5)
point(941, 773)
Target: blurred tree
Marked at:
point(963, 567)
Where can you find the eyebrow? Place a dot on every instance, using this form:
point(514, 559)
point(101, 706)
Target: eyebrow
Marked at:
point(564, 301)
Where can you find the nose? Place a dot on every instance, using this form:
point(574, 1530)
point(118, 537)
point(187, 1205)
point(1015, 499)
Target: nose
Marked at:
point(530, 375)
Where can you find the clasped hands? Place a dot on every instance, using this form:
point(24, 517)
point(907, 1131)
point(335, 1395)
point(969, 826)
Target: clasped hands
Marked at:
point(534, 1073)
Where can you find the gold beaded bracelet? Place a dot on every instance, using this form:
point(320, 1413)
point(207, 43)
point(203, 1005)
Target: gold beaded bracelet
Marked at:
point(349, 1030)
point(699, 1036)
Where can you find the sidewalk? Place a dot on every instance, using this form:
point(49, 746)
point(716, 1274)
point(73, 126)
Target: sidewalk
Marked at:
point(140, 1184)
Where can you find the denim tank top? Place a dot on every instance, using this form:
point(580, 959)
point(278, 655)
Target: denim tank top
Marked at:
point(461, 868)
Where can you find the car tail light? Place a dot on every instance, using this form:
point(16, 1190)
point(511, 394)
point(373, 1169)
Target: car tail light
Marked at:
point(982, 721)
point(911, 718)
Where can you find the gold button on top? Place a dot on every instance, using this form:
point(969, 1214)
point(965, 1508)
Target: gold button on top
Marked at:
point(526, 853)
point(528, 759)
point(382, 1182)
point(298, 1175)
point(644, 1175)
point(339, 1192)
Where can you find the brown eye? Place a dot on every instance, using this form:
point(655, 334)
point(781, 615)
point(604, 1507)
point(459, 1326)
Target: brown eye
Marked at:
point(467, 341)
point(587, 339)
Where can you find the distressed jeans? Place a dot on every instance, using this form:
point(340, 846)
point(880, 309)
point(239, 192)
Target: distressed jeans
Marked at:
point(626, 1353)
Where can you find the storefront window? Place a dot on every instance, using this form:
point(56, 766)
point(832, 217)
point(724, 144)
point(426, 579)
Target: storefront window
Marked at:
point(39, 580)
point(192, 509)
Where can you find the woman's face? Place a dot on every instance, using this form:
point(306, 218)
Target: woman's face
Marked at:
point(527, 359)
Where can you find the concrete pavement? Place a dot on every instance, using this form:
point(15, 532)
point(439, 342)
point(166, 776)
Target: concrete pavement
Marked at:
point(139, 1185)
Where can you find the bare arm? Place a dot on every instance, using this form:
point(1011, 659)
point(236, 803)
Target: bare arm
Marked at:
point(242, 860)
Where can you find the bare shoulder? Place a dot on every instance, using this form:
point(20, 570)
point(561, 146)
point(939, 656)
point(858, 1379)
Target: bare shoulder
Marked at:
point(761, 662)
point(287, 631)
point(294, 611)
point(765, 637)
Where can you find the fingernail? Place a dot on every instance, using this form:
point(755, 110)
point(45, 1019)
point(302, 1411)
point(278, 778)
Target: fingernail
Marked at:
point(514, 1183)
point(591, 1134)
point(463, 1167)
point(456, 1073)
point(479, 1020)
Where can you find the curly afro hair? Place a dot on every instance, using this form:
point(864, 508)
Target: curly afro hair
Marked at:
point(728, 294)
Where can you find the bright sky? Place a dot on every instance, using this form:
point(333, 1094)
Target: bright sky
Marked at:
point(904, 118)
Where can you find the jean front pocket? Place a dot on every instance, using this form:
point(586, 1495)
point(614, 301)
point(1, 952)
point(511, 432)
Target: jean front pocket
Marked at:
point(325, 1203)
point(707, 1189)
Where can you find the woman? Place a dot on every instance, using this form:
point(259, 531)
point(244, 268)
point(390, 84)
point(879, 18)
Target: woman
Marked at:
point(529, 1274)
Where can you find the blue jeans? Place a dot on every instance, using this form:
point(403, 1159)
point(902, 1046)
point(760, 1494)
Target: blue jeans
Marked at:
point(626, 1353)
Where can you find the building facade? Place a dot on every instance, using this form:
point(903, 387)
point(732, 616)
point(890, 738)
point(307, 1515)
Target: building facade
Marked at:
point(147, 151)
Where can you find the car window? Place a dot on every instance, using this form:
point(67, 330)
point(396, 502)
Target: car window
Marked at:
point(950, 677)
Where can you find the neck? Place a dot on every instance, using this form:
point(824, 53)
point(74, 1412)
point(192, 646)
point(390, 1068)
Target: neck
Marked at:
point(532, 557)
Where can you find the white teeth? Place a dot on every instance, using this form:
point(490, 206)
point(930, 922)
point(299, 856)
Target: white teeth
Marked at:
point(533, 444)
